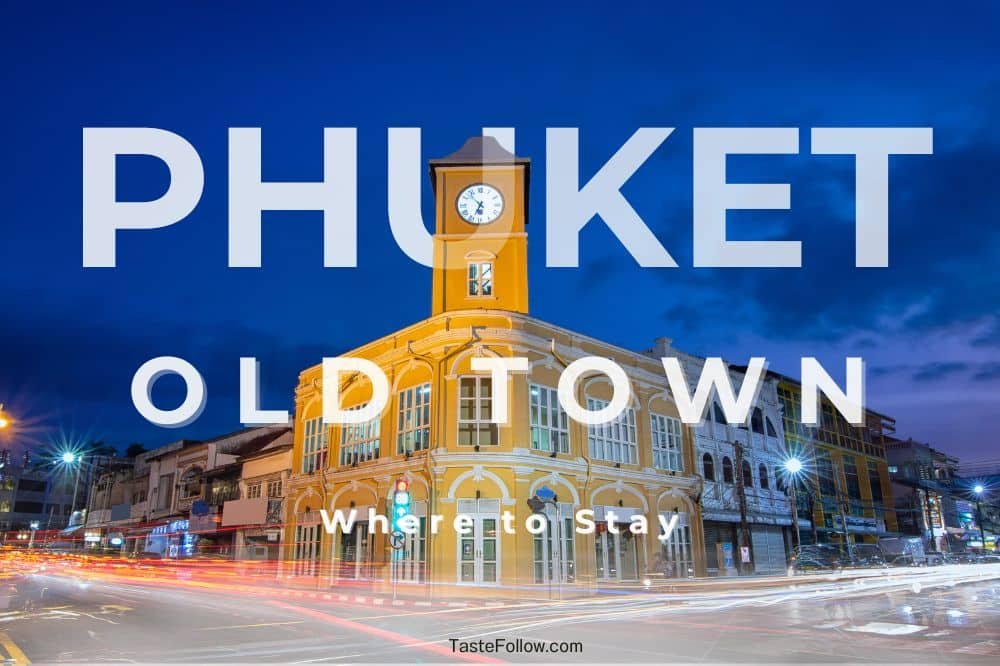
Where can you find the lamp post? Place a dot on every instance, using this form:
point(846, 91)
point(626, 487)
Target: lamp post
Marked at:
point(979, 513)
point(5, 419)
point(71, 458)
point(793, 466)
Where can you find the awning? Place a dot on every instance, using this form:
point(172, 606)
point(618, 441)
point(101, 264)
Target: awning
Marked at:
point(71, 530)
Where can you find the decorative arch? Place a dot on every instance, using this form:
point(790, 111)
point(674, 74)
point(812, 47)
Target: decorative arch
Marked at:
point(310, 492)
point(619, 487)
point(412, 478)
point(353, 486)
point(409, 366)
point(308, 405)
point(479, 255)
point(675, 493)
point(555, 479)
point(477, 350)
point(361, 381)
point(633, 400)
point(664, 395)
point(478, 473)
point(545, 361)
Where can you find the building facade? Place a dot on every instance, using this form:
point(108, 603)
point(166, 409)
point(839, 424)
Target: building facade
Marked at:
point(34, 492)
point(742, 468)
point(437, 431)
point(844, 490)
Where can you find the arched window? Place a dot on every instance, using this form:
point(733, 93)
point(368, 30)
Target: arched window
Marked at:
point(747, 476)
point(762, 476)
point(727, 470)
point(771, 432)
point(4, 506)
point(708, 466)
point(191, 482)
point(757, 421)
point(717, 414)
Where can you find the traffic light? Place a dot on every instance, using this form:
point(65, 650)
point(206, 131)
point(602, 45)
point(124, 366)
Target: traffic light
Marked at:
point(400, 503)
point(537, 505)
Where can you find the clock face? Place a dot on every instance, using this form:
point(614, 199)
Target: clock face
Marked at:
point(480, 204)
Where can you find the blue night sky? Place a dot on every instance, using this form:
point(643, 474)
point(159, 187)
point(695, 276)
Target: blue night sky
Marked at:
point(71, 338)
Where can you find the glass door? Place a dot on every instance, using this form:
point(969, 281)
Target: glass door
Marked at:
point(616, 554)
point(554, 551)
point(356, 553)
point(408, 561)
point(479, 552)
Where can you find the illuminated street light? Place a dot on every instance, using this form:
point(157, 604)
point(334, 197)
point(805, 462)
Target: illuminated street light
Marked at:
point(73, 458)
point(978, 489)
point(793, 466)
point(5, 419)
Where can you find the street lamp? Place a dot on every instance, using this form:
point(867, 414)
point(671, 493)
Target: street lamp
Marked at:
point(5, 419)
point(793, 466)
point(73, 458)
point(979, 513)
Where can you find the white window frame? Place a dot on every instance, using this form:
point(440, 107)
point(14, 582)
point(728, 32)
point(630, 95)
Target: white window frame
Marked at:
point(360, 442)
point(615, 441)
point(274, 488)
point(668, 442)
point(677, 550)
point(306, 549)
point(478, 286)
point(482, 425)
point(315, 444)
point(253, 490)
point(547, 417)
point(413, 422)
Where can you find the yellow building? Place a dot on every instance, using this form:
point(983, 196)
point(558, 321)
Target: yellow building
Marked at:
point(846, 476)
point(436, 430)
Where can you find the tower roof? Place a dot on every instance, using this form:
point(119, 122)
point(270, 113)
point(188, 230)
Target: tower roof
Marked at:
point(479, 150)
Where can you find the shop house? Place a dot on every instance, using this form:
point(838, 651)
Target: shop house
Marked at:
point(437, 433)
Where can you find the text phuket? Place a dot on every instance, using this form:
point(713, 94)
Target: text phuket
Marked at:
point(569, 207)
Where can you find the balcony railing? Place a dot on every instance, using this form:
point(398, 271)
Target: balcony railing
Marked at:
point(275, 511)
point(221, 496)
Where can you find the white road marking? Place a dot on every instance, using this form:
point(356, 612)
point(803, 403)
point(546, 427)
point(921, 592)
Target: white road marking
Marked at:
point(887, 628)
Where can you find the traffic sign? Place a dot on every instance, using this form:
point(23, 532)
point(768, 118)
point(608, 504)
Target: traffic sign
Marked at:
point(545, 494)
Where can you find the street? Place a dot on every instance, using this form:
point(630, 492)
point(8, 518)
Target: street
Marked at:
point(938, 615)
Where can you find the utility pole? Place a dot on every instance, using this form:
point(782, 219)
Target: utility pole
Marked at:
point(837, 470)
point(741, 497)
point(796, 539)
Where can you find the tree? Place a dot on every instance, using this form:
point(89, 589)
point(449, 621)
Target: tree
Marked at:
point(134, 449)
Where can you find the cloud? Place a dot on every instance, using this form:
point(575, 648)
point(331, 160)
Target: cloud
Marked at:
point(82, 367)
point(939, 370)
point(988, 372)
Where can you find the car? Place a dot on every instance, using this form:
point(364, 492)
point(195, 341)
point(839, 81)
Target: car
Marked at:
point(816, 557)
point(866, 556)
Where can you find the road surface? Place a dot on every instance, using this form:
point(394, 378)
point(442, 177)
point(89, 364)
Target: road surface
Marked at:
point(943, 616)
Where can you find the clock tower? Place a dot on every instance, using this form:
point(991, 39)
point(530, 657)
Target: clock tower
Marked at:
point(480, 242)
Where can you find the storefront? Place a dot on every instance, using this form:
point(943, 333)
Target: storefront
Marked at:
point(171, 540)
point(354, 553)
point(616, 548)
